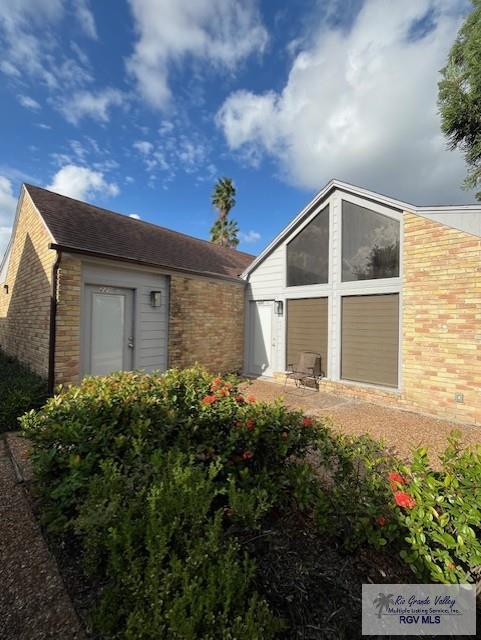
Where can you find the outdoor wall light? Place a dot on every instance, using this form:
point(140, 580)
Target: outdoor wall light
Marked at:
point(279, 307)
point(5, 288)
point(155, 299)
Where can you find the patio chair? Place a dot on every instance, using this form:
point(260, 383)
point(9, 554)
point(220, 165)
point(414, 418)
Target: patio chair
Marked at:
point(307, 368)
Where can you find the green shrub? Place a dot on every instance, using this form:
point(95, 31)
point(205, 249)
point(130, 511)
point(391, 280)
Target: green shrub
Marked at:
point(443, 517)
point(152, 472)
point(158, 539)
point(432, 518)
point(354, 495)
point(127, 416)
point(20, 391)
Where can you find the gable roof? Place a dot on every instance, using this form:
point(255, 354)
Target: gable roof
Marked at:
point(80, 227)
point(439, 213)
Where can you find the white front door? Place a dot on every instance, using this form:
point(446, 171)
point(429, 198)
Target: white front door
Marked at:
point(109, 338)
point(261, 337)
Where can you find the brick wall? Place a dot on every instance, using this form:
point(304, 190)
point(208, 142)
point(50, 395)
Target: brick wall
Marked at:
point(441, 319)
point(67, 345)
point(25, 309)
point(206, 323)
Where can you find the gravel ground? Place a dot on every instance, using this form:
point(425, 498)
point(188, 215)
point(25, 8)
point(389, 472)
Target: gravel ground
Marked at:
point(19, 449)
point(401, 430)
point(33, 602)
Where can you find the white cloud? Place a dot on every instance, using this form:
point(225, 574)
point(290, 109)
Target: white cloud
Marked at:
point(86, 18)
point(9, 69)
point(28, 102)
point(176, 152)
point(42, 125)
point(135, 216)
point(81, 182)
point(360, 106)
point(86, 104)
point(8, 204)
point(166, 127)
point(144, 147)
point(251, 237)
point(31, 49)
point(218, 32)
point(23, 50)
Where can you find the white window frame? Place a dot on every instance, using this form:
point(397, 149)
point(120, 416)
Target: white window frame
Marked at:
point(335, 289)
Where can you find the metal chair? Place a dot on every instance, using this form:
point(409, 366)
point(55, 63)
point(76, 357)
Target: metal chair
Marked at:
point(308, 367)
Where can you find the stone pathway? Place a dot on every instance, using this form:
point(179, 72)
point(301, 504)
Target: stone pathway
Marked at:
point(33, 602)
point(402, 430)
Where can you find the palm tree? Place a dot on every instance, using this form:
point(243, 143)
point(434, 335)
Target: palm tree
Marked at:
point(225, 233)
point(223, 199)
point(383, 601)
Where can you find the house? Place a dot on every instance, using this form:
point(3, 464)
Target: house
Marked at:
point(88, 291)
point(387, 292)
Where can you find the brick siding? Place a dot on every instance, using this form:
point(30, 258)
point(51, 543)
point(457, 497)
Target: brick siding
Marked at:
point(441, 319)
point(25, 309)
point(67, 344)
point(206, 323)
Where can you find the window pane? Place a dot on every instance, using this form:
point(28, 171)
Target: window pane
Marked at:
point(370, 339)
point(308, 253)
point(370, 244)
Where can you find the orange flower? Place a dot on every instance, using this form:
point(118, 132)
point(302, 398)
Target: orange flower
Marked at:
point(247, 455)
point(251, 399)
point(307, 422)
point(404, 500)
point(239, 399)
point(216, 383)
point(250, 424)
point(209, 400)
point(394, 476)
point(381, 521)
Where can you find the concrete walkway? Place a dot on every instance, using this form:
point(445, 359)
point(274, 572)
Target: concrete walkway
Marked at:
point(402, 430)
point(33, 602)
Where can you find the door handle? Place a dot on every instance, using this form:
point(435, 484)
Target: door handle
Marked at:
point(130, 342)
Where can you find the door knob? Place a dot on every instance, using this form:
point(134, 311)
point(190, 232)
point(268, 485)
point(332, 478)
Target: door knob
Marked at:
point(131, 342)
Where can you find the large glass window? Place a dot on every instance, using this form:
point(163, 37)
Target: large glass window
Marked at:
point(370, 339)
point(308, 253)
point(370, 244)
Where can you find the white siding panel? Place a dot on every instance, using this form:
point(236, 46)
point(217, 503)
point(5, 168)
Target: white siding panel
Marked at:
point(150, 324)
point(268, 278)
point(467, 222)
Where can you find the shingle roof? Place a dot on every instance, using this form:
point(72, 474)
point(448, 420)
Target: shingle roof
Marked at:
point(86, 228)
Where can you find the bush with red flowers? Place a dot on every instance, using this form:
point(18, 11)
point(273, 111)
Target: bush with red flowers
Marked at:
point(404, 500)
point(431, 517)
point(439, 512)
point(155, 474)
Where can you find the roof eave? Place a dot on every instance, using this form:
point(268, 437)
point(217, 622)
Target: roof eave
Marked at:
point(166, 267)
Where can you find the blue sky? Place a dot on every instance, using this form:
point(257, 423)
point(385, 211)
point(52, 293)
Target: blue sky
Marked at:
point(139, 105)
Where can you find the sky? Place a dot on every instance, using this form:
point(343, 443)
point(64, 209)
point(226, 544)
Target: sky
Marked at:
point(140, 105)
